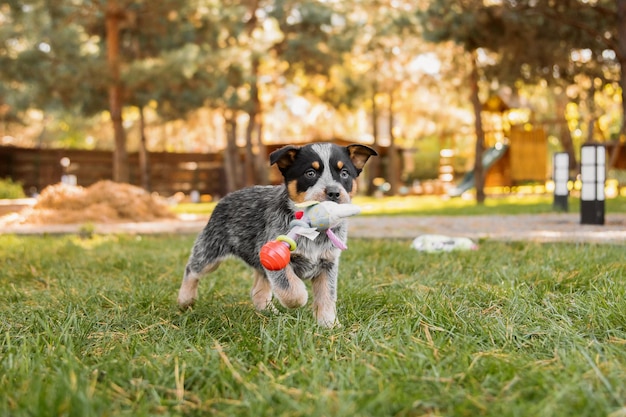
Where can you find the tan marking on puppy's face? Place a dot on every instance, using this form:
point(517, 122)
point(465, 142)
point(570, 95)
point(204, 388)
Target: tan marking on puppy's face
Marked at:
point(353, 191)
point(316, 165)
point(294, 195)
point(340, 165)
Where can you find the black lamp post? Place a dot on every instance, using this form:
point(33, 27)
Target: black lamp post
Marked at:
point(592, 175)
point(560, 169)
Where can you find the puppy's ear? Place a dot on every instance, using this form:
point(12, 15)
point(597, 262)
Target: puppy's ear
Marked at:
point(284, 157)
point(359, 154)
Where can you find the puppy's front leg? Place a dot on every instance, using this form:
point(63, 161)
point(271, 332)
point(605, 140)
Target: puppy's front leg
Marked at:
point(325, 298)
point(288, 288)
point(188, 292)
point(262, 292)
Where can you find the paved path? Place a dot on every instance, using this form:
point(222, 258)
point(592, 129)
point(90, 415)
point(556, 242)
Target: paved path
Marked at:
point(538, 227)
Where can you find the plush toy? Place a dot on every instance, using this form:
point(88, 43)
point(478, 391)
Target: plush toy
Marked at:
point(440, 243)
point(315, 217)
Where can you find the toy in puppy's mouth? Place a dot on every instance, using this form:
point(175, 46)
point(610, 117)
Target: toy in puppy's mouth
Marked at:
point(316, 216)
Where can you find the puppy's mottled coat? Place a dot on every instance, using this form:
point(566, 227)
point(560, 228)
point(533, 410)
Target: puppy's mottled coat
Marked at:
point(245, 220)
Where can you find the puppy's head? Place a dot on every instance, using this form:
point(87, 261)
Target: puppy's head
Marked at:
point(321, 171)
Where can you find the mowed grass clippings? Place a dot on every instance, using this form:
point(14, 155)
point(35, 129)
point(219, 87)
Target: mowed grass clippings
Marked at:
point(91, 328)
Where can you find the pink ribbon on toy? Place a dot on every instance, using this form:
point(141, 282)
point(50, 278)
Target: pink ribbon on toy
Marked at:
point(336, 241)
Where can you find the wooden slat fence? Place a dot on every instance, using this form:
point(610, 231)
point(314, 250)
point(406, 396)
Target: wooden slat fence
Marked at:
point(169, 172)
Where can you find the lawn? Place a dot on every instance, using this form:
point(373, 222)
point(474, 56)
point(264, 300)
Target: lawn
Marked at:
point(90, 328)
point(440, 206)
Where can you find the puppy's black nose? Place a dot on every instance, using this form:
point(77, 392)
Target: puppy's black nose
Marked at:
point(333, 194)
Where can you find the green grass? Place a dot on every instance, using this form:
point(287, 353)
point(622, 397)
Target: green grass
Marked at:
point(90, 328)
point(436, 205)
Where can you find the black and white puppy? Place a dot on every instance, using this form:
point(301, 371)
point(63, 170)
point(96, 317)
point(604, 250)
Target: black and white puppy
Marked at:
point(243, 221)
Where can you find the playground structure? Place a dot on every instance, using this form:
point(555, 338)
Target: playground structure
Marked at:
point(491, 156)
point(514, 154)
point(523, 160)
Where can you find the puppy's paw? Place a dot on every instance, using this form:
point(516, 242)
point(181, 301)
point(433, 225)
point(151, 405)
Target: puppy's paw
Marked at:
point(185, 303)
point(186, 298)
point(325, 312)
point(262, 294)
point(294, 296)
point(329, 324)
point(265, 305)
point(188, 293)
point(328, 321)
point(269, 310)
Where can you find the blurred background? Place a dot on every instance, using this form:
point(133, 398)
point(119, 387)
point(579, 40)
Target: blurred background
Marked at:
point(191, 96)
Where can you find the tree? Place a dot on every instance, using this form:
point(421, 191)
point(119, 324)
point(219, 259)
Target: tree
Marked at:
point(292, 39)
point(378, 74)
point(598, 27)
point(156, 52)
point(169, 50)
point(507, 28)
point(473, 26)
point(45, 56)
point(114, 15)
point(119, 52)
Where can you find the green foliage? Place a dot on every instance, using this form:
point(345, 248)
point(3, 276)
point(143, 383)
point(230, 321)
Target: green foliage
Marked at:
point(54, 68)
point(426, 159)
point(90, 328)
point(312, 43)
point(507, 28)
point(426, 166)
point(11, 189)
point(180, 54)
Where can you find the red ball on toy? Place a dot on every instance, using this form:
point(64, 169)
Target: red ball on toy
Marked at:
point(275, 255)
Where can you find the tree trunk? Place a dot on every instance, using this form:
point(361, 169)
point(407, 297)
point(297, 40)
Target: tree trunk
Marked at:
point(256, 163)
point(248, 165)
point(120, 156)
point(479, 173)
point(261, 164)
point(565, 136)
point(395, 167)
point(373, 167)
point(144, 163)
point(591, 104)
point(621, 57)
point(255, 109)
point(232, 164)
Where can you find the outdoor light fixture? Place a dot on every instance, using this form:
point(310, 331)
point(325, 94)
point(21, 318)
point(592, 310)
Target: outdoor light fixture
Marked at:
point(592, 175)
point(67, 178)
point(560, 169)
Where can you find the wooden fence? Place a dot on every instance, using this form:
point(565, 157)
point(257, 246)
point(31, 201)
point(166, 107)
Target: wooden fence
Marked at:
point(169, 172)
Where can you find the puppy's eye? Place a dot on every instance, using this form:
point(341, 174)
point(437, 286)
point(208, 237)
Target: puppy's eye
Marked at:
point(344, 174)
point(310, 173)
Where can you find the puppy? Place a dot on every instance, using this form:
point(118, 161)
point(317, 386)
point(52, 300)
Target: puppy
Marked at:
point(245, 220)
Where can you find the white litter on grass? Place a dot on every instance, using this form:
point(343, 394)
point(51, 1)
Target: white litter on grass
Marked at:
point(441, 243)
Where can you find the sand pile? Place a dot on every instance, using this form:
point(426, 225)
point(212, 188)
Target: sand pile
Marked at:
point(102, 202)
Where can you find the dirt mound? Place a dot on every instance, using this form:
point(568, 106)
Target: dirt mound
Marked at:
point(102, 202)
